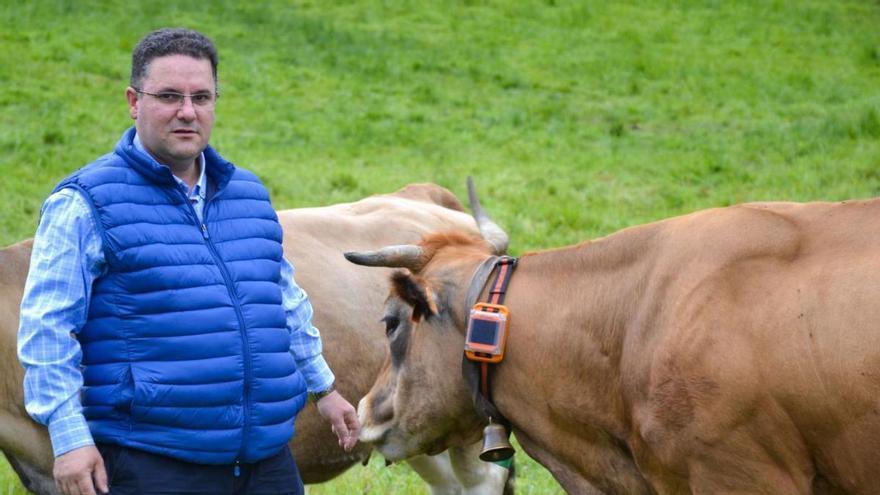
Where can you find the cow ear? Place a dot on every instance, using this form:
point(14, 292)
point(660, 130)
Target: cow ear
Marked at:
point(416, 294)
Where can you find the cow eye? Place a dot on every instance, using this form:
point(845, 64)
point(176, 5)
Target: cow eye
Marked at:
point(391, 322)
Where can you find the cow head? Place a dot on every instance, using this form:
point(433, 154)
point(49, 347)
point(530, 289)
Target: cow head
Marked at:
point(420, 403)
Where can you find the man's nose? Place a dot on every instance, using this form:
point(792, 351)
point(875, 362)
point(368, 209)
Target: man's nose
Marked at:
point(187, 110)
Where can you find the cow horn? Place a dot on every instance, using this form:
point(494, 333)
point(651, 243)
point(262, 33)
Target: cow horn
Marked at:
point(490, 230)
point(401, 256)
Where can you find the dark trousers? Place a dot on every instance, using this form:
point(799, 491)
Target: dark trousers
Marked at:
point(135, 472)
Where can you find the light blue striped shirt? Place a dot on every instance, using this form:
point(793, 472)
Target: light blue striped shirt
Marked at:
point(66, 259)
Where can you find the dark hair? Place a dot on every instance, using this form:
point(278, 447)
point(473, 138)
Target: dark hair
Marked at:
point(170, 41)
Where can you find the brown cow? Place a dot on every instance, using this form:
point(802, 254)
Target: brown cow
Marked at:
point(352, 336)
point(25, 443)
point(733, 350)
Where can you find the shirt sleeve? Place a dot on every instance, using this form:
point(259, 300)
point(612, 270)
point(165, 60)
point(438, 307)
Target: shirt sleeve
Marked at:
point(66, 258)
point(305, 339)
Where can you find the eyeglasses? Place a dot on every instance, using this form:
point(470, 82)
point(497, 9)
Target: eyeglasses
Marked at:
point(174, 99)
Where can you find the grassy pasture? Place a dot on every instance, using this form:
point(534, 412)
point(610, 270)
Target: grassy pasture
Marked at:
point(576, 118)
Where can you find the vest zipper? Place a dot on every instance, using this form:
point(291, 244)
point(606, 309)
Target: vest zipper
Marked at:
point(227, 279)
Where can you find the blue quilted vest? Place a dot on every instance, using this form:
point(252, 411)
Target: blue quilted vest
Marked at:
point(186, 350)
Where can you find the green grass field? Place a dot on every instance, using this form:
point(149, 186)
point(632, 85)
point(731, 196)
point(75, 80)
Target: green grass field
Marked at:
point(576, 118)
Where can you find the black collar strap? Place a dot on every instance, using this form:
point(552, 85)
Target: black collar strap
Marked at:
point(477, 374)
point(478, 282)
point(505, 265)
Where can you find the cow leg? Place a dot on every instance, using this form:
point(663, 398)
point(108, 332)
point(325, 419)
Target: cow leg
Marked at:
point(31, 478)
point(479, 477)
point(571, 480)
point(436, 471)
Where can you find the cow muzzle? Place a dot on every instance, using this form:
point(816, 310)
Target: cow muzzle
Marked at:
point(370, 432)
point(382, 436)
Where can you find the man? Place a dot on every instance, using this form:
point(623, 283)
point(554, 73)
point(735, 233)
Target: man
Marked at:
point(165, 342)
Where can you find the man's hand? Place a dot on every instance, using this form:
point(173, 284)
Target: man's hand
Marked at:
point(80, 471)
point(343, 417)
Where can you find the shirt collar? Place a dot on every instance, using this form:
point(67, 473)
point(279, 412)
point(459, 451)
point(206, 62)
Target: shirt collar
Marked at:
point(198, 189)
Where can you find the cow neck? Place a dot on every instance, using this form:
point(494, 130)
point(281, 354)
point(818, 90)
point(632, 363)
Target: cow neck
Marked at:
point(478, 375)
point(598, 290)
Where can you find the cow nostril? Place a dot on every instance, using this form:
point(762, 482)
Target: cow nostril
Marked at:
point(381, 406)
point(383, 413)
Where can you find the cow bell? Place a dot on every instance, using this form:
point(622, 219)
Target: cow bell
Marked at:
point(496, 447)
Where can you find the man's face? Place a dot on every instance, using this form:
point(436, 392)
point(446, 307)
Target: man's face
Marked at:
point(174, 133)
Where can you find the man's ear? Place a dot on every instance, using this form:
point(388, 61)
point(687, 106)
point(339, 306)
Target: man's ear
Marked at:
point(132, 97)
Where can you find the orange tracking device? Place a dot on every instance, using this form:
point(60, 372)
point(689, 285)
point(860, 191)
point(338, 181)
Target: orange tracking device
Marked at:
point(486, 333)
